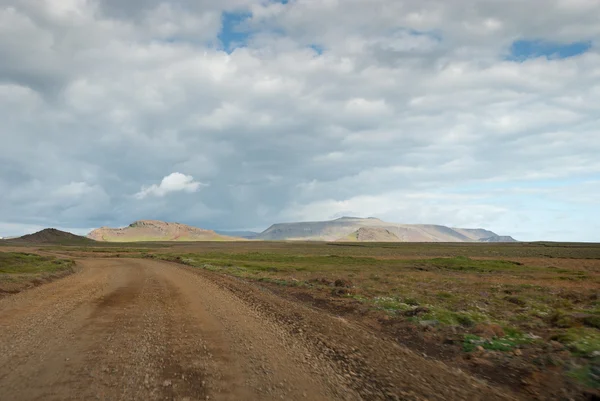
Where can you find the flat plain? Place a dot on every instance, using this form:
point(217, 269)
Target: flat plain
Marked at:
point(303, 320)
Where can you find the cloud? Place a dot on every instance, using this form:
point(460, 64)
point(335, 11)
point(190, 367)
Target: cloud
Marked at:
point(291, 116)
point(174, 182)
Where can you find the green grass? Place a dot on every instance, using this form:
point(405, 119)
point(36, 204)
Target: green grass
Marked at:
point(450, 288)
point(24, 263)
point(104, 249)
point(463, 263)
point(588, 375)
point(452, 318)
point(262, 260)
point(582, 341)
point(507, 343)
point(389, 304)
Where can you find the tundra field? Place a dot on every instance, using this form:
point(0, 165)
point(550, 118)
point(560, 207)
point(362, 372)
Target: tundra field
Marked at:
point(300, 320)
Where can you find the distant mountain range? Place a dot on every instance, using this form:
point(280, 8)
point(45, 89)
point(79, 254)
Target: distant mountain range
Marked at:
point(344, 229)
point(375, 230)
point(353, 229)
point(239, 234)
point(154, 230)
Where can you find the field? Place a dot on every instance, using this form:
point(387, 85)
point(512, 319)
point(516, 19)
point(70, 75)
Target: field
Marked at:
point(524, 316)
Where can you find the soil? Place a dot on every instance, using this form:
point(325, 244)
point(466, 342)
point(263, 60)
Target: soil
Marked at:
point(149, 330)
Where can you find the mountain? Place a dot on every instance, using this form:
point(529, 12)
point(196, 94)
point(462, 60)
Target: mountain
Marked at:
point(51, 236)
point(498, 238)
point(475, 233)
point(239, 234)
point(349, 229)
point(372, 234)
point(154, 230)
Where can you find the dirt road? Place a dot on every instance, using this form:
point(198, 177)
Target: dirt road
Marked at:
point(134, 329)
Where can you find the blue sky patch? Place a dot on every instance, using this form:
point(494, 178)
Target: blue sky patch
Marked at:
point(233, 34)
point(435, 34)
point(526, 49)
point(317, 48)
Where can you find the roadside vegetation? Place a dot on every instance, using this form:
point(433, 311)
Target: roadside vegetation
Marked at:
point(27, 263)
point(529, 313)
point(19, 271)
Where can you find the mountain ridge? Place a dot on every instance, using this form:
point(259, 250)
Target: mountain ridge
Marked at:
point(341, 228)
point(346, 228)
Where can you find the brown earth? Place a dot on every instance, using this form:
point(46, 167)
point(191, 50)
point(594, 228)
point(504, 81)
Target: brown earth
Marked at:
point(150, 330)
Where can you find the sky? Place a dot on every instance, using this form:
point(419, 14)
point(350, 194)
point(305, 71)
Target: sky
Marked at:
point(237, 114)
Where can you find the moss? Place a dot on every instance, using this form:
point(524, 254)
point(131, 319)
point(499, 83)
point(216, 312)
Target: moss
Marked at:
point(581, 341)
point(450, 318)
point(507, 343)
point(411, 301)
point(559, 318)
point(444, 295)
point(390, 304)
point(592, 321)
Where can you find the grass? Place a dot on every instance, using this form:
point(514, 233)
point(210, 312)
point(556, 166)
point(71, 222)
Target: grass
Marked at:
point(25, 263)
point(507, 343)
point(588, 374)
point(454, 291)
point(581, 341)
point(114, 249)
point(463, 263)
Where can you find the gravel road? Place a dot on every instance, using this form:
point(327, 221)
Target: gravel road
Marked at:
point(135, 329)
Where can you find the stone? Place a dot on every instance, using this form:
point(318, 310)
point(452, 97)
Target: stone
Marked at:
point(482, 362)
point(429, 323)
point(343, 283)
point(419, 310)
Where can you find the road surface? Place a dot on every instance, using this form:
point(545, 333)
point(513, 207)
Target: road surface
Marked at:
point(136, 329)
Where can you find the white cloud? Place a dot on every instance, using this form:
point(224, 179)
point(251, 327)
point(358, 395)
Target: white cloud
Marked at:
point(174, 182)
point(356, 105)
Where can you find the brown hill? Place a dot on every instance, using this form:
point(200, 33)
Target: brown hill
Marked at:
point(51, 236)
point(154, 230)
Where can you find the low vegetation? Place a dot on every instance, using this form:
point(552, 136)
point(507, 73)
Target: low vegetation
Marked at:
point(19, 271)
point(26, 263)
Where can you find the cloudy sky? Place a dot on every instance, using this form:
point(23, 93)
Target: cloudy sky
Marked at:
point(235, 114)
